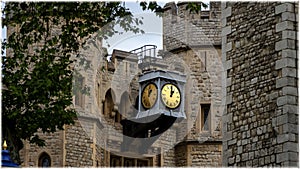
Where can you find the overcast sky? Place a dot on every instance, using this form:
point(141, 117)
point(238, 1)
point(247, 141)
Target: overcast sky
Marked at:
point(152, 26)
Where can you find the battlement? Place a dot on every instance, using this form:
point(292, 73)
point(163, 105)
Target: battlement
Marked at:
point(182, 28)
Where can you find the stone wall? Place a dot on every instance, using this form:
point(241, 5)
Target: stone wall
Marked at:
point(181, 155)
point(205, 155)
point(193, 154)
point(30, 154)
point(183, 29)
point(78, 146)
point(193, 41)
point(199, 53)
point(167, 142)
point(259, 51)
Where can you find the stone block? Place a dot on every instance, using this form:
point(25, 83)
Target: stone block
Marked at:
point(245, 157)
point(290, 128)
point(223, 22)
point(284, 63)
point(290, 109)
point(285, 25)
point(226, 12)
point(282, 119)
point(281, 157)
point(293, 156)
point(229, 64)
point(290, 147)
point(289, 90)
point(226, 30)
point(231, 142)
point(288, 16)
point(267, 159)
point(285, 44)
point(245, 141)
point(229, 46)
point(228, 82)
point(273, 95)
point(290, 72)
point(259, 130)
point(229, 118)
point(254, 80)
point(289, 53)
point(227, 136)
point(289, 35)
point(240, 150)
point(285, 7)
point(228, 99)
point(285, 81)
point(251, 155)
point(273, 158)
point(291, 164)
point(286, 100)
point(224, 40)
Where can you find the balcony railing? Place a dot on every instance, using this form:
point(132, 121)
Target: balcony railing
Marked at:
point(146, 51)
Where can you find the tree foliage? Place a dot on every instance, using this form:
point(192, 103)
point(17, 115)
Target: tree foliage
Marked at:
point(36, 70)
point(37, 73)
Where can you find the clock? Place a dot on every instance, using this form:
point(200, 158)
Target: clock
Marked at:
point(170, 95)
point(149, 95)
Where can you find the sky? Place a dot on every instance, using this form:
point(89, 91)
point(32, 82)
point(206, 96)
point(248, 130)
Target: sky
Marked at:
point(152, 26)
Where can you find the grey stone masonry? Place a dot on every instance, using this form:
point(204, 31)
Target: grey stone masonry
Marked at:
point(287, 121)
point(259, 50)
point(184, 29)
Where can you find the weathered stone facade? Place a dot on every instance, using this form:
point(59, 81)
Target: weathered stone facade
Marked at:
point(195, 40)
point(259, 49)
point(96, 137)
point(241, 94)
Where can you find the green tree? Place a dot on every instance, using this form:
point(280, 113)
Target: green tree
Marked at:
point(37, 77)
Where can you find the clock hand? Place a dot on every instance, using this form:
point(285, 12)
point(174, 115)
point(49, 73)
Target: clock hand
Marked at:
point(149, 92)
point(172, 91)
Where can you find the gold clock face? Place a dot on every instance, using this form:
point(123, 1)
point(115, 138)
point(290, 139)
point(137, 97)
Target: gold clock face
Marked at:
point(170, 95)
point(149, 95)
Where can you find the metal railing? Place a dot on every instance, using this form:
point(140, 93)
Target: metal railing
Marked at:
point(144, 52)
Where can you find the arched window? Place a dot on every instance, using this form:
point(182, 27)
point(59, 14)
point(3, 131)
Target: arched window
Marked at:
point(44, 160)
point(108, 103)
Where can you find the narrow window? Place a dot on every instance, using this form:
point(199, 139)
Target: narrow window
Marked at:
point(205, 116)
point(79, 96)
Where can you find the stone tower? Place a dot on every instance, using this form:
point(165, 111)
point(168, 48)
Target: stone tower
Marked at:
point(195, 41)
point(260, 51)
